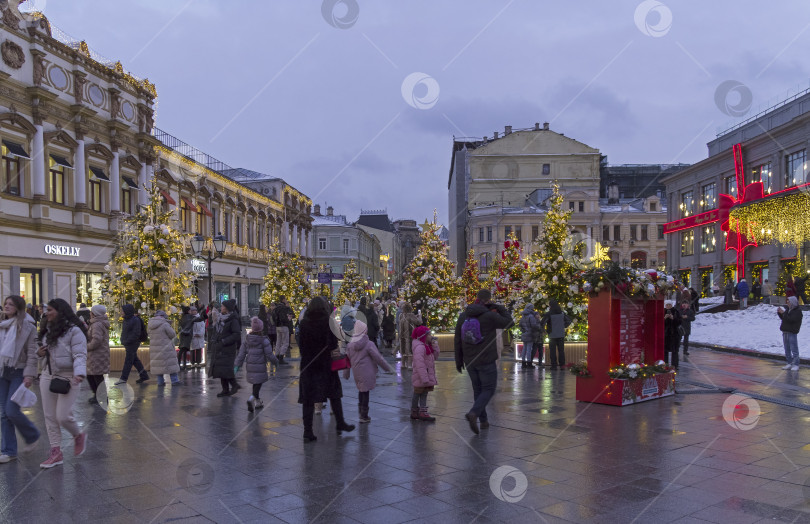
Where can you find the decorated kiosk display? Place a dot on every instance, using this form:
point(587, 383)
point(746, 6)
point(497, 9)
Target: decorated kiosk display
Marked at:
point(625, 337)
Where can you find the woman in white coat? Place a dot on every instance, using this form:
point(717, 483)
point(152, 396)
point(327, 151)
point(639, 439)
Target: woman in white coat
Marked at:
point(162, 355)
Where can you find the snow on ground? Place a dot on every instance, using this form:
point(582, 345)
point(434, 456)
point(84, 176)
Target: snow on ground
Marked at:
point(712, 300)
point(756, 327)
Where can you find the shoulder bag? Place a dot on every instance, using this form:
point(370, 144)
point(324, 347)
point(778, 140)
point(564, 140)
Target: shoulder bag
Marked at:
point(59, 385)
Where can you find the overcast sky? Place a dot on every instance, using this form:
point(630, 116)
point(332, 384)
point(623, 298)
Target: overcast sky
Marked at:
point(322, 97)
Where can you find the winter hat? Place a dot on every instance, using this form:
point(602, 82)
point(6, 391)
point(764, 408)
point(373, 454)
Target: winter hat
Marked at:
point(419, 332)
point(98, 310)
point(793, 302)
point(359, 330)
point(256, 325)
point(161, 313)
point(230, 305)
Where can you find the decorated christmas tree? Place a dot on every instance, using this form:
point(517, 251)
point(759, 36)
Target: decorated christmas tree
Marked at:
point(470, 282)
point(323, 290)
point(286, 277)
point(150, 266)
point(353, 287)
point(509, 273)
point(794, 268)
point(430, 284)
point(555, 267)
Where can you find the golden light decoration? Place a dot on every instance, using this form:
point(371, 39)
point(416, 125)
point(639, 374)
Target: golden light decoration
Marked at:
point(783, 219)
point(600, 254)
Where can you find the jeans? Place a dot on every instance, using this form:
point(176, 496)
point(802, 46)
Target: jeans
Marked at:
point(161, 380)
point(791, 342)
point(556, 349)
point(743, 302)
point(283, 337)
point(12, 417)
point(484, 378)
point(528, 349)
point(130, 360)
point(419, 400)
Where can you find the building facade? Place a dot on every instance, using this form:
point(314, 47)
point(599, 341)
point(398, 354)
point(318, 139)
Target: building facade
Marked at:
point(338, 241)
point(771, 150)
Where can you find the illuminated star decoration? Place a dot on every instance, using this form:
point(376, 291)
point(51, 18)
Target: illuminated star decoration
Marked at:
point(600, 254)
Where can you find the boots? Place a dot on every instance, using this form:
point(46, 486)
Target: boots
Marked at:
point(250, 402)
point(414, 413)
point(309, 436)
point(337, 408)
point(424, 415)
point(364, 418)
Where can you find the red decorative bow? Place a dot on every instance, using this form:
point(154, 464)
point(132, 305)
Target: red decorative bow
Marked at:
point(736, 239)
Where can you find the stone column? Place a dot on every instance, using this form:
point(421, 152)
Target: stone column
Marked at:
point(115, 184)
point(80, 176)
point(143, 196)
point(285, 237)
point(293, 239)
point(38, 162)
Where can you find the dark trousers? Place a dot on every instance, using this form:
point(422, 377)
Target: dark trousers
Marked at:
point(256, 389)
point(309, 414)
point(95, 381)
point(671, 347)
point(131, 359)
point(363, 398)
point(556, 349)
point(196, 356)
point(181, 356)
point(228, 383)
point(484, 379)
point(686, 344)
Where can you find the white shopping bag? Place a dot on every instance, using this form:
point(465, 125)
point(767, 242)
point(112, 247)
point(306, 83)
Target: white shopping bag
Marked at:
point(24, 397)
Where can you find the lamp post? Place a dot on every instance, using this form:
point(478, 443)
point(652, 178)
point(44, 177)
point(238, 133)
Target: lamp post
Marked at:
point(198, 243)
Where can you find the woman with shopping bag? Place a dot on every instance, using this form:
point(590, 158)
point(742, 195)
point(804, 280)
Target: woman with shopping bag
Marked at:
point(18, 367)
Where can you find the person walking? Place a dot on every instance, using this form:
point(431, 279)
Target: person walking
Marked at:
point(365, 359)
point(162, 356)
point(756, 291)
point(84, 315)
point(317, 381)
point(529, 326)
point(767, 292)
point(672, 335)
point(476, 349)
point(423, 378)
point(389, 327)
point(133, 332)
point(98, 349)
point(408, 321)
point(186, 331)
point(255, 352)
point(742, 292)
point(790, 326)
point(213, 315)
point(369, 316)
point(687, 316)
point(18, 366)
point(555, 322)
point(64, 349)
point(197, 338)
point(283, 317)
point(224, 342)
point(728, 292)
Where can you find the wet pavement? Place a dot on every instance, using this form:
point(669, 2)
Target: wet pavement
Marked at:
point(182, 454)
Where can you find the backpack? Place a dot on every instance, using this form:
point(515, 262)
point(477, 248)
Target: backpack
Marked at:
point(471, 331)
point(144, 333)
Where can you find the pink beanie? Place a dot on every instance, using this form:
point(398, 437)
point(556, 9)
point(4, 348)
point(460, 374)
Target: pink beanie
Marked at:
point(420, 332)
point(256, 325)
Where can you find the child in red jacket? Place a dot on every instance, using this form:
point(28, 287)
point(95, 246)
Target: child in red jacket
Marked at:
point(425, 350)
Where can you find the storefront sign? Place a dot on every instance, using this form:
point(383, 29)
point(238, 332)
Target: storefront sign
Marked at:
point(198, 266)
point(63, 251)
point(694, 221)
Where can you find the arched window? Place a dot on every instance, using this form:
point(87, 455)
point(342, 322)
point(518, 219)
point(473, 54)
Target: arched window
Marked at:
point(638, 260)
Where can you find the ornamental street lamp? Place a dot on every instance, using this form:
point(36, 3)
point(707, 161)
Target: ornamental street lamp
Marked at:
point(198, 243)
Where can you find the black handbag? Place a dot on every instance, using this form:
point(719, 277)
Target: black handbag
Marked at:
point(59, 384)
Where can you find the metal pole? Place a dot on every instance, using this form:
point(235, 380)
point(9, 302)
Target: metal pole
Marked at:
point(210, 279)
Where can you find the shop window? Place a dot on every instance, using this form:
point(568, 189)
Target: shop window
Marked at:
point(687, 204)
point(708, 197)
point(795, 168)
point(708, 240)
point(88, 288)
point(687, 243)
point(763, 173)
point(644, 233)
point(11, 173)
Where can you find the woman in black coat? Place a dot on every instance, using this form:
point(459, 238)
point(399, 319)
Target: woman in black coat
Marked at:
point(389, 327)
point(318, 382)
point(226, 337)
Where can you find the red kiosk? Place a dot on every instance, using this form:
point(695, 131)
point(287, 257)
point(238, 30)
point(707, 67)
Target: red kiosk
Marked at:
point(625, 333)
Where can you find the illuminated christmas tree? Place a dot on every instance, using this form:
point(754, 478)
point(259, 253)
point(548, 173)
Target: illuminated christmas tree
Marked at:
point(430, 284)
point(555, 267)
point(470, 282)
point(794, 268)
point(508, 276)
point(150, 266)
point(286, 277)
point(353, 287)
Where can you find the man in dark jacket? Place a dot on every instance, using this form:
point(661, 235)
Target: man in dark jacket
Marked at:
point(791, 323)
point(372, 320)
point(131, 330)
point(672, 334)
point(477, 350)
point(283, 318)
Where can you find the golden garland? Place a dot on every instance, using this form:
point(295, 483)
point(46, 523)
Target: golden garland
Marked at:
point(782, 219)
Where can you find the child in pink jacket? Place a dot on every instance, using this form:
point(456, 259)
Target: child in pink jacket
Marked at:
point(364, 357)
point(425, 350)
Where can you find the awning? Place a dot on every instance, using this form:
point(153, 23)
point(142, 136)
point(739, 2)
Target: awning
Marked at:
point(128, 181)
point(168, 197)
point(191, 205)
point(61, 161)
point(15, 149)
point(99, 173)
point(205, 211)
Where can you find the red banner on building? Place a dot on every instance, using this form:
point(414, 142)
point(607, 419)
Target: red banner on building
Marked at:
point(689, 222)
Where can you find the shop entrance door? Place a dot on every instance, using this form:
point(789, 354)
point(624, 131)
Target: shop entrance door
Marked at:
point(31, 286)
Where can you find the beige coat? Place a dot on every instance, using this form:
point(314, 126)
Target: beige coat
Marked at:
point(98, 347)
point(162, 354)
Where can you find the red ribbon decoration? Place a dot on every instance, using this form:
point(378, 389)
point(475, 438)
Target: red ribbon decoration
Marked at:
point(736, 239)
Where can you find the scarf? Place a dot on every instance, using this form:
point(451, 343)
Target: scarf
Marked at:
point(220, 325)
point(8, 343)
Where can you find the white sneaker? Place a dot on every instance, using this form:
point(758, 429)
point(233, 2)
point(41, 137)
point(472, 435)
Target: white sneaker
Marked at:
point(787, 367)
point(794, 368)
point(4, 459)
